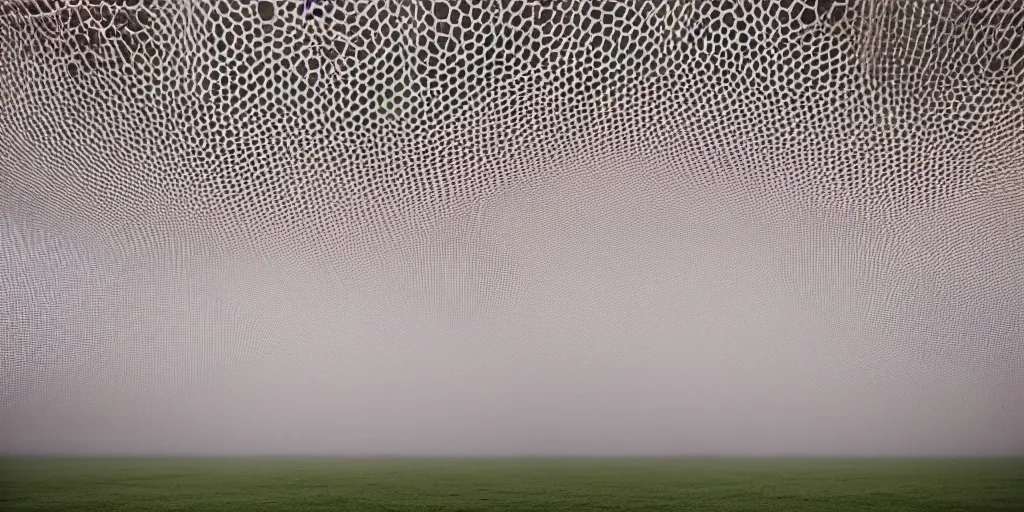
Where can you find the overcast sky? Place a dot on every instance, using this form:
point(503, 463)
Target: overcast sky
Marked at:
point(559, 320)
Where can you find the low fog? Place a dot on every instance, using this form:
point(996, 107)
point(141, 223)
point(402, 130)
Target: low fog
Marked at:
point(590, 314)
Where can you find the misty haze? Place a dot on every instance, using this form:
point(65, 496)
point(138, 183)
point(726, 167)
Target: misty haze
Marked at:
point(391, 229)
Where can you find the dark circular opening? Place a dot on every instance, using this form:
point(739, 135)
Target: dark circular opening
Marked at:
point(265, 10)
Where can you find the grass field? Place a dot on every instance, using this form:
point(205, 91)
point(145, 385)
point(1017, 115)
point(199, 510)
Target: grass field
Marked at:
point(420, 485)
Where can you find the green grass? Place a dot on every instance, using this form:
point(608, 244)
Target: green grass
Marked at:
point(377, 485)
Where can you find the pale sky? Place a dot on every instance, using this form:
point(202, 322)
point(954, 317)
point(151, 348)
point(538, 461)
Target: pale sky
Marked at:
point(679, 321)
